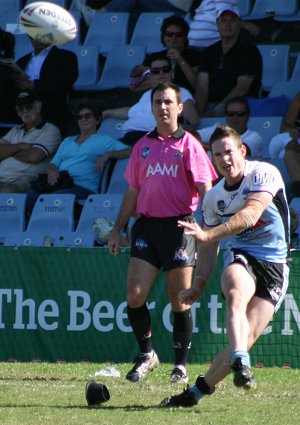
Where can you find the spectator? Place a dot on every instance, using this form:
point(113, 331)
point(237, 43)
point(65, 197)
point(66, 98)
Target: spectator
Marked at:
point(237, 117)
point(7, 83)
point(184, 60)
point(139, 118)
point(286, 145)
point(25, 150)
point(231, 67)
point(83, 156)
point(51, 72)
point(180, 7)
point(203, 27)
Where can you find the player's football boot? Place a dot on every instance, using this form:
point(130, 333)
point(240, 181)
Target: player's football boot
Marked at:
point(242, 375)
point(185, 399)
point(143, 364)
point(178, 376)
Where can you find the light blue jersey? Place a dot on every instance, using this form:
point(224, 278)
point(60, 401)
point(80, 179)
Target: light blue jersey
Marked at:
point(80, 159)
point(268, 240)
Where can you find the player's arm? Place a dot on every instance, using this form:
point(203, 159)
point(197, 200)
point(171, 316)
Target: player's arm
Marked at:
point(127, 210)
point(206, 259)
point(247, 217)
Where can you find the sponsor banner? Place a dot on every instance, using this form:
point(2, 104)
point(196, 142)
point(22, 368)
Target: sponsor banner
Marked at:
point(70, 304)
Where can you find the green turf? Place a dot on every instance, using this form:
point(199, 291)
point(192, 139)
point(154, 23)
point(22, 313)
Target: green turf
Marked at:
point(47, 393)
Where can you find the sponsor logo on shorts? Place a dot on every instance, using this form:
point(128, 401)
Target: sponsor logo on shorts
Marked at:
point(141, 244)
point(180, 255)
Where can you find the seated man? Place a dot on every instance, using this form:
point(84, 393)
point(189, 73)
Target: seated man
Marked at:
point(27, 148)
point(51, 72)
point(286, 145)
point(231, 67)
point(139, 117)
point(237, 117)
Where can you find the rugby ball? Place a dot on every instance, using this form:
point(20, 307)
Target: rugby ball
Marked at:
point(102, 229)
point(48, 23)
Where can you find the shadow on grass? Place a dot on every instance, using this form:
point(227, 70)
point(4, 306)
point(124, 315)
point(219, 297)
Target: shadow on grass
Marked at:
point(132, 408)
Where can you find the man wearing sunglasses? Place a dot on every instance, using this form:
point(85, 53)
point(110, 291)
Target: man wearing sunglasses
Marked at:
point(26, 149)
point(139, 118)
point(237, 117)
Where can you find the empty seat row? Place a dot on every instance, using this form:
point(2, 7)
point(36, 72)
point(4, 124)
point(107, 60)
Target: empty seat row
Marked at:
point(52, 220)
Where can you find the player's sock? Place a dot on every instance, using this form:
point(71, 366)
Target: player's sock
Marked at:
point(140, 321)
point(182, 335)
point(244, 356)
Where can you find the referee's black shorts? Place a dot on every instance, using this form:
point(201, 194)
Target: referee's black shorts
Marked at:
point(160, 242)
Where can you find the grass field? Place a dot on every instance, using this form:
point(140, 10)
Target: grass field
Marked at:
point(48, 393)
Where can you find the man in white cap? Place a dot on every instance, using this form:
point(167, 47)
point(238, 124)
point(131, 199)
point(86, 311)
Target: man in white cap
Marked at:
point(231, 67)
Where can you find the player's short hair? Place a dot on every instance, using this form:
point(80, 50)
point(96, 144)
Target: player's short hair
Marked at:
point(223, 131)
point(167, 85)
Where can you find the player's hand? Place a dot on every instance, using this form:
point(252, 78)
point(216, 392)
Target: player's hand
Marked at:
point(193, 229)
point(189, 296)
point(114, 243)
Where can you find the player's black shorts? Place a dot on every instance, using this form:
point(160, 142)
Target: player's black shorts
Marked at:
point(160, 242)
point(271, 278)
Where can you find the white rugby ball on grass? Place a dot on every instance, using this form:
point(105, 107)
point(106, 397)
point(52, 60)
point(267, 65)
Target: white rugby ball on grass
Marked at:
point(48, 23)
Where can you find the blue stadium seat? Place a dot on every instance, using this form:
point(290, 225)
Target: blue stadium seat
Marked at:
point(275, 59)
point(107, 29)
point(295, 204)
point(88, 65)
point(118, 65)
point(112, 127)
point(296, 70)
point(98, 205)
point(286, 88)
point(25, 239)
point(267, 127)
point(288, 18)
point(280, 164)
point(62, 3)
point(74, 240)
point(266, 8)
point(117, 183)
point(23, 45)
point(245, 7)
point(9, 20)
point(12, 213)
point(6, 5)
point(147, 30)
point(51, 214)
